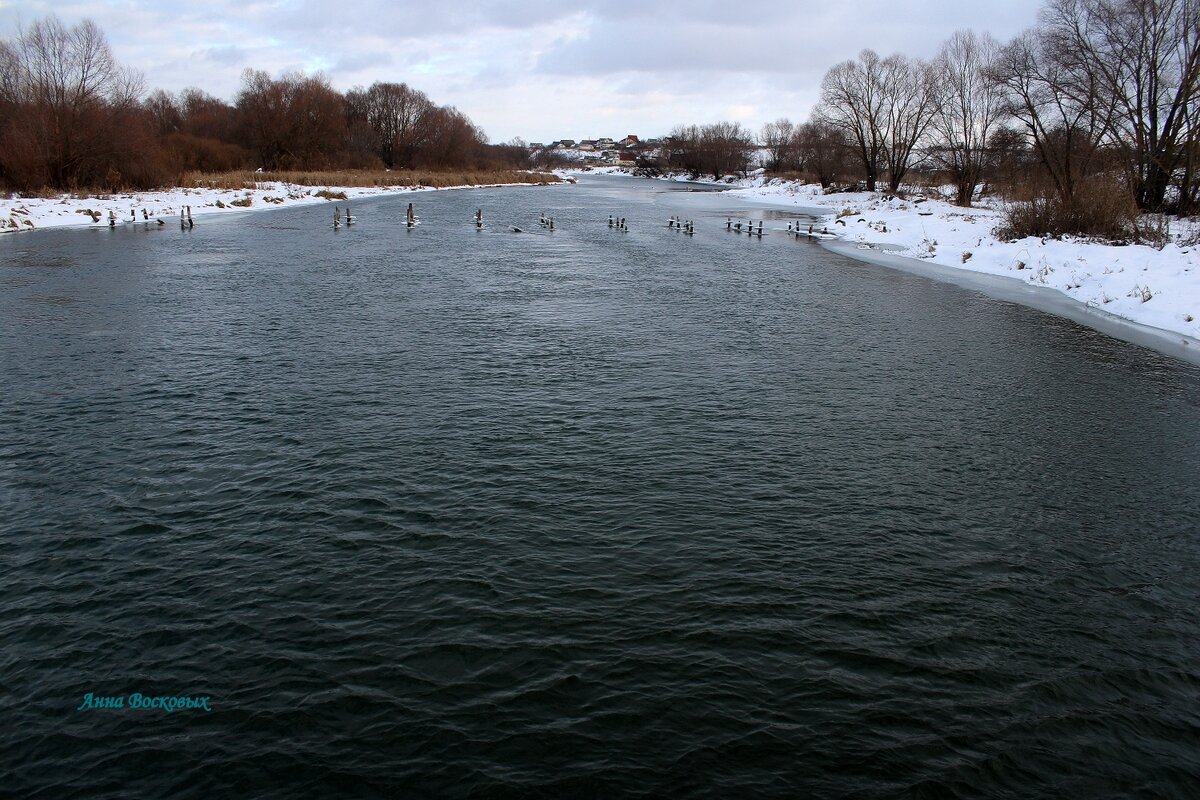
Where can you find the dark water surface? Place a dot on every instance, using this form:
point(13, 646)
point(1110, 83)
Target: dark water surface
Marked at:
point(447, 513)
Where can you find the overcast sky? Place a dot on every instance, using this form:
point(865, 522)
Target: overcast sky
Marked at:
point(538, 69)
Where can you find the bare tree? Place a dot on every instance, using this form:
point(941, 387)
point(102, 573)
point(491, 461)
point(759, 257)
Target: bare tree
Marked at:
point(395, 118)
point(908, 104)
point(728, 147)
point(1058, 104)
point(821, 149)
point(68, 86)
point(450, 139)
point(1189, 179)
point(296, 121)
point(165, 111)
point(968, 111)
point(718, 149)
point(1143, 59)
point(852, 99)
point(777, 138)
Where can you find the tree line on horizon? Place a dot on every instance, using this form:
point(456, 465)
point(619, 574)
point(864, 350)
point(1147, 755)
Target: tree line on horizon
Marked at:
point(1083, 121)
point(73, 118)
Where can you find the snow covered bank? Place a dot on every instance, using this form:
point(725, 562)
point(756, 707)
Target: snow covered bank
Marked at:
point(31, 213)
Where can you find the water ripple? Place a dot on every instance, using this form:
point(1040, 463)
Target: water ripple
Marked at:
point(442, 514)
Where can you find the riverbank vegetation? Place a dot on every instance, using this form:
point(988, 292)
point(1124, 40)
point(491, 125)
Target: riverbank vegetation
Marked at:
point(73, 119)
point(1082, 124)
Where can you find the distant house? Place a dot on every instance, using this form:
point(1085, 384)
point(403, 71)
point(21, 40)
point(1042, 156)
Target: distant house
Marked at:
point(565, 144)
point(626, 157)
point(587, 144)
point(604, 144)
point(629, 141)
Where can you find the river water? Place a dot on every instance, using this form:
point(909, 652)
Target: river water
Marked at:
point(453, 513)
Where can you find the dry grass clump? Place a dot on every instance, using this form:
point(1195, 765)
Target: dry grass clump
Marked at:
point(238, 180)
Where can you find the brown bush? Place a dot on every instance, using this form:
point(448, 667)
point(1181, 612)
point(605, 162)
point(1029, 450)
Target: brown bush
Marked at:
point(190, 153)
point(1100, 209)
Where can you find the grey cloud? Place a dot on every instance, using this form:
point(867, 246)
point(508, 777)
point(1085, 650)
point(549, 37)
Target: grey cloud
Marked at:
point(222, 54)
point(363, 60)
point(768, 38)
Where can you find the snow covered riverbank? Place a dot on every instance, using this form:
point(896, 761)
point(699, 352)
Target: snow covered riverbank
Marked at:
point(32, 213)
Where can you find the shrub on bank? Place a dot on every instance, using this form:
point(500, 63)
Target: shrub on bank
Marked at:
point(1102, 210)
